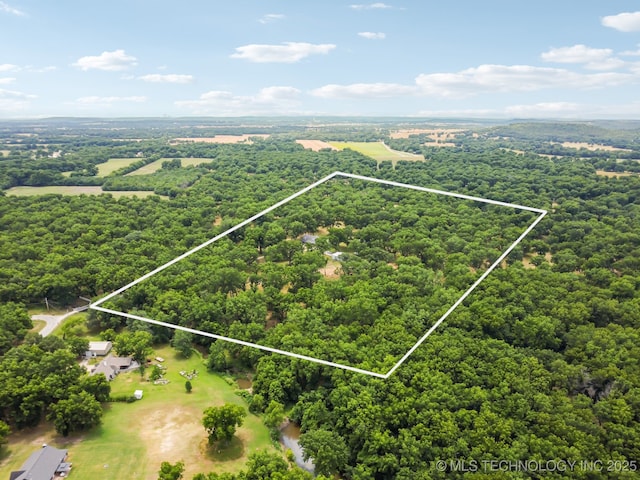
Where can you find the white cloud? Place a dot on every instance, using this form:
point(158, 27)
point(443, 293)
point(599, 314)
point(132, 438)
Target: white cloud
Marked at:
point(277, 99)
point(289, 52)
point(371, 6)
point(624, 22)
point(9, 67)
point(5, 7)
point(106, 101)
point(11, 101)
point(168, 78)
point(111, 61)
point(364, 90)
point(592, 58)
point(514, 78)
point(271, 17)
point(576, 54)
point(7, 80)
point(372, 35)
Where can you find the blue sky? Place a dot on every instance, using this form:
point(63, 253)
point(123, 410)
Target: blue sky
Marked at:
point(470, 58)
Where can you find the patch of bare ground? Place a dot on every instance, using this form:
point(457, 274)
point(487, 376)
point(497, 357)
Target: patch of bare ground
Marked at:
point(217, 221)
point(315, 145)
point(220, 139)
point(527, 260)
point(436, 134)
point(176, 434)
point(603, 173)
point(593, 147)
point(331, 270)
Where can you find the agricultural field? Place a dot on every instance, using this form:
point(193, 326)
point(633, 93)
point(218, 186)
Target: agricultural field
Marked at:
point(73, 190)
point(221, 139)
point(114, 164)
point(315, 145)
point(135, 438)
point(378, 151)
point(157, 165)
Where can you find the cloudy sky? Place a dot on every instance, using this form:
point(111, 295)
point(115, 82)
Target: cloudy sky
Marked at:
point(470, 58)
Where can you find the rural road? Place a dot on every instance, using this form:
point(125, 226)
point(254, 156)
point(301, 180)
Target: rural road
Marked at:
point(52, 321)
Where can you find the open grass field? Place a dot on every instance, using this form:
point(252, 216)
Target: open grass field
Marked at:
point(4, 153)
point(593, 147)
point(114, 164)
point(157, 165)
point(72, 190)
point(378, 151)
point(135, 438)
point(604, 173)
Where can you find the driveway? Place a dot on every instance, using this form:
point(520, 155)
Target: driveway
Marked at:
point(52, 321)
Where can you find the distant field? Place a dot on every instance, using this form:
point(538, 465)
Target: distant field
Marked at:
point(378, 151)
point(220, 139)
point(157, 165)
point(114, 164)
point(593, 147)
point(315, 145)
point(603, 173)
point(437, 134)
point(5, 153)
point(72, 190)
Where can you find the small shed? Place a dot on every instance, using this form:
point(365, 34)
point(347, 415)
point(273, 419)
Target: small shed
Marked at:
point(138, 394)
point(309, 239)
point(98, 349)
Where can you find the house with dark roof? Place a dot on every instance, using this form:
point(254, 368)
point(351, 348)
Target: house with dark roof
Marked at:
point(43, 464)
point(309, 239)
point(112, 366)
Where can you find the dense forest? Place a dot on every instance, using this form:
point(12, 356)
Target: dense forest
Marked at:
point(540, 362)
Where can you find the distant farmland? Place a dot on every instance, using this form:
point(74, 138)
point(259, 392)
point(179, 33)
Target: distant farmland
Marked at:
point(157, 165)
point(114, 164)
point(72, 190)
point(378, 151)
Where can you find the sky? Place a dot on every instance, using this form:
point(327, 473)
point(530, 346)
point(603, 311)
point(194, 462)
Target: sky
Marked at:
point(561, 59)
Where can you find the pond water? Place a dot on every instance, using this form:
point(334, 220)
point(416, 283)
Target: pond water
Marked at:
point(289, 436)
point(244, 383)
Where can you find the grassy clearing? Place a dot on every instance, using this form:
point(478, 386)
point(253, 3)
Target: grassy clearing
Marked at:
point(73, 190)
point(135, 438)
point(114, 164)
point(157, 165)
point(378, 151)
point(37, 325)
point(5, 153)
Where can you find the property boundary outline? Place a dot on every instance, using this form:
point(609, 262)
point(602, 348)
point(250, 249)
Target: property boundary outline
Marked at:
point(542, 213)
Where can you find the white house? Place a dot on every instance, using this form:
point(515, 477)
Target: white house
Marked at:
point(98, 349)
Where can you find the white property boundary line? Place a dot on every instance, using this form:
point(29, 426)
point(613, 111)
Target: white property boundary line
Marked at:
point(542, 213)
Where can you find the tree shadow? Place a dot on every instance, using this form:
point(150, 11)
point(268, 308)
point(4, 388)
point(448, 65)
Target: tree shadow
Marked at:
point(224, 451)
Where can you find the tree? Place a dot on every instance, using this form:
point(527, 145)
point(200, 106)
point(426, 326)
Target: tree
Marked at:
point(15, 322)
point(221, 422)
point(4, 432)
point(171, 472)
point(273, 417)
point(77, 345)
point(79, 412)
point(182, 342)
point(156, 373)
point(327, 449)
point(187, 386)
point(136, 344)
point(96, 385)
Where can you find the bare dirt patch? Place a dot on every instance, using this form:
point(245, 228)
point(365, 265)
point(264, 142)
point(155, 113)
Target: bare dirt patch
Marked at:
point(436, 134)
point(315, 145)
point(593, 147)
point(332, 270)
point(603, 173)
point(220, 139)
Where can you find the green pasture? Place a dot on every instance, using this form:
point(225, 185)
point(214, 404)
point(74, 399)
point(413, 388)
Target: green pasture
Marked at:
point(378, 151)
point(114, 164)
point(157, 165)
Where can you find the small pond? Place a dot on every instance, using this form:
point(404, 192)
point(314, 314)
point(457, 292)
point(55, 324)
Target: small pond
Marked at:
point(289, 436)
point(244, 383)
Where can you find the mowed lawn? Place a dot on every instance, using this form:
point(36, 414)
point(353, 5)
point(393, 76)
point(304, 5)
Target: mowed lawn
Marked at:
point(114, 164)
point(135, 438)
point(73, 190)
point(157, 165)
point(378, 151)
